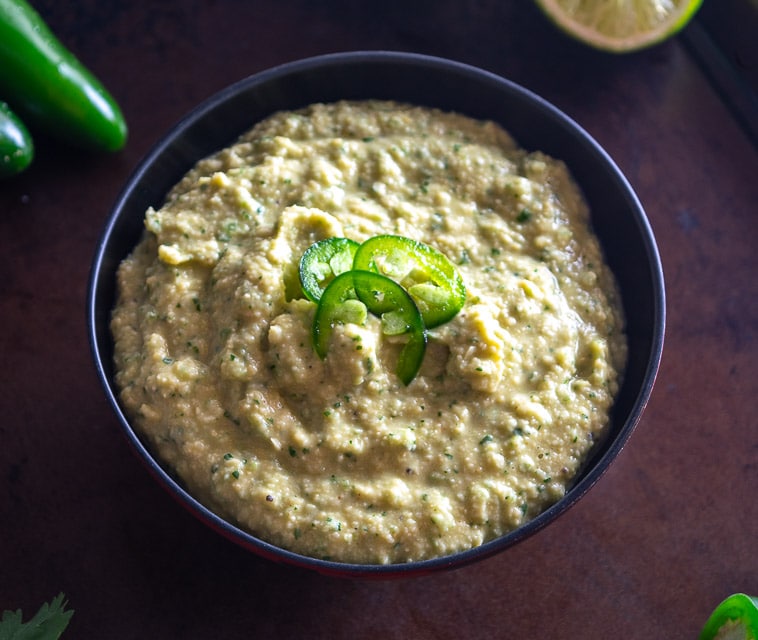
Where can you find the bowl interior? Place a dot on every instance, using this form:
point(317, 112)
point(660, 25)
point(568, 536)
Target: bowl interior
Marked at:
point(617, 217)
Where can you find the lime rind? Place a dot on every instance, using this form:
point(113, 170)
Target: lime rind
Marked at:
point(620, 26)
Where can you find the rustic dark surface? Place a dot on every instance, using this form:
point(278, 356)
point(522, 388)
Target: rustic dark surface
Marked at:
point(670, 530)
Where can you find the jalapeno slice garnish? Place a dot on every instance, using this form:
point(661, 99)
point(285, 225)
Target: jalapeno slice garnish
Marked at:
point(408, 284)
point(426, 274)
point(400, 315)
point(338, 304)
point(384, 298)
point(322, 262)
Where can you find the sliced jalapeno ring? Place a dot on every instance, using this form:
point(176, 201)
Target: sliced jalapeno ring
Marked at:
point(322, 262)
point(400, 315)
point(429, 277)
point(382, 297)
point(337, 305)
point(735, 617)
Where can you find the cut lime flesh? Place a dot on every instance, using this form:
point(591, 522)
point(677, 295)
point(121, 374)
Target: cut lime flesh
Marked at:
point(620, 25)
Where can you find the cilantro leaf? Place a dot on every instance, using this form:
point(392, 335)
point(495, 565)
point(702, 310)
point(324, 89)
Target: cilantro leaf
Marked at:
point(47, 624)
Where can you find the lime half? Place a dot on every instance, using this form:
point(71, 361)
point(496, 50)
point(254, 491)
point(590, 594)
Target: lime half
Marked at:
point(620, 25)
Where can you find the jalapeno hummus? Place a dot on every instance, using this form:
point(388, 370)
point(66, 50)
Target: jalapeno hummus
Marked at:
point(335, 457)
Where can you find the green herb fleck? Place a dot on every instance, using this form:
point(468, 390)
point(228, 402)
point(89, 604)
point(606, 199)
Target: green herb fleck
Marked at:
point(524, 216)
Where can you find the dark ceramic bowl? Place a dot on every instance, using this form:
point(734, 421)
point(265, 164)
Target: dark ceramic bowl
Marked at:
point(617, 216)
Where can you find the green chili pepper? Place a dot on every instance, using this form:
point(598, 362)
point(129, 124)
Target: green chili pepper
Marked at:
point(400, 315)
point(408, 284)
point(385, 298)
point(338, 304)
point(322, 261)
point(16, 146)
point(49, 87)
point(429, 277)
point(736, 617)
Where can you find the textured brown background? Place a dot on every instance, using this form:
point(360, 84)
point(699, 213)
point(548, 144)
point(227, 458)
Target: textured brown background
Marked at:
point(669, 531)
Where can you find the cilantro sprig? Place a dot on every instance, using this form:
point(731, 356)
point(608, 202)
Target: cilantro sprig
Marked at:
point(47, 624)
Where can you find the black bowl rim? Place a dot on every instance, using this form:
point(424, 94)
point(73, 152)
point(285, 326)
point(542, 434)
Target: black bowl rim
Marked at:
point(328, 567)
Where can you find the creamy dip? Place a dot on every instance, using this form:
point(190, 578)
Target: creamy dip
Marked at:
point(336, 458)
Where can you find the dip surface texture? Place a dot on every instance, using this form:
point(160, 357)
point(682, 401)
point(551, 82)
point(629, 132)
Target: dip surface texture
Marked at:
point(336, 458)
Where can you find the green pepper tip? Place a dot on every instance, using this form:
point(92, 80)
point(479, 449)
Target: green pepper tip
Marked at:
point(16, 143)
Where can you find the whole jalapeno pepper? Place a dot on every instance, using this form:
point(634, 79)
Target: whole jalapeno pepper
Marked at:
point(48, 87)
point(429, 277)
point(382, 297)
point(16, 145)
